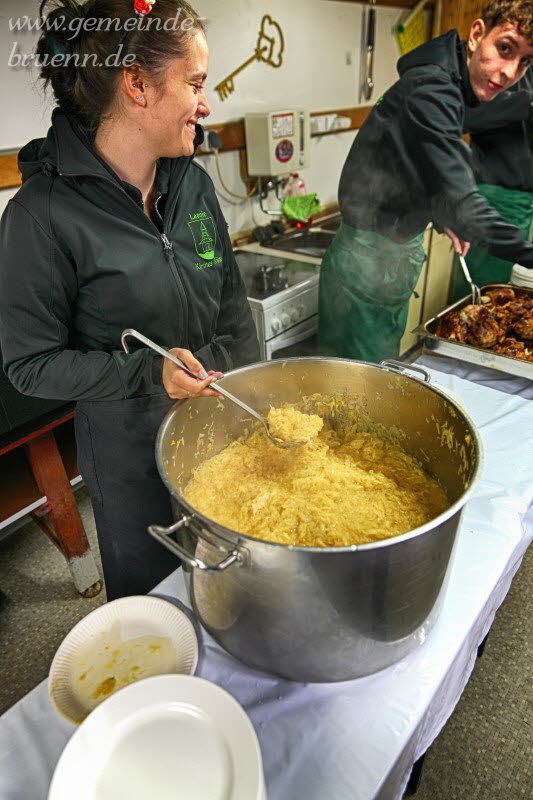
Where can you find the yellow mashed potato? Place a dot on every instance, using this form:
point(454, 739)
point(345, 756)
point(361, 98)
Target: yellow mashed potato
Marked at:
point(332, 491)
point(291, 425)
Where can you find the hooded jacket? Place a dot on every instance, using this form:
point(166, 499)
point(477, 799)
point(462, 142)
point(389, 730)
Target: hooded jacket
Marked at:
point(81, 261)
point(502, 137)
point(409, 166)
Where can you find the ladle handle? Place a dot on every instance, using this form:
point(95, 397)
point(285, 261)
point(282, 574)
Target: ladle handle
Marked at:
point(162, 351)
point(218, 388)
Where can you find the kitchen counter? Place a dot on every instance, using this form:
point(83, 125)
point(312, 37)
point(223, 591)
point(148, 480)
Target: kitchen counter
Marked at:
point(355, 740)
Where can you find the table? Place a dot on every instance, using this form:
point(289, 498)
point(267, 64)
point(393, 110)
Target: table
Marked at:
point(52, 505)
point(355, 740)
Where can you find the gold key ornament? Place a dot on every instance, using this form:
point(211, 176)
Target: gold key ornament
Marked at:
point(269, 49)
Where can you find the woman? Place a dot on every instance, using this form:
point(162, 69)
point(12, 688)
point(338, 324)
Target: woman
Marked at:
point(409, 166)
point(116, 226)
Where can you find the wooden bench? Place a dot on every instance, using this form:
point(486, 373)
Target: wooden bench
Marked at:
point(37, 465)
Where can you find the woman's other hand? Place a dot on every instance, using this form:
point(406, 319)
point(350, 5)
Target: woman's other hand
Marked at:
point(459, 245)
point(179, 385)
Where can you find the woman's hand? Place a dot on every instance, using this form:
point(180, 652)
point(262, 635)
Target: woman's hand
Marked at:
point(459, 245)
point(179, 385)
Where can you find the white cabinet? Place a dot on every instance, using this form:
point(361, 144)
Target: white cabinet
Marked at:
point(431, 291)
point(439, 275)
point(416, 303)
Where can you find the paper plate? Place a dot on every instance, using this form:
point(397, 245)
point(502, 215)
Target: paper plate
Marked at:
point(522, 276)
point(119, 643)
point(165, 737)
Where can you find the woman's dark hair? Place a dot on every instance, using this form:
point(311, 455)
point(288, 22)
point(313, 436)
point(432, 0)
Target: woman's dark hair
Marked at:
point(78, 42)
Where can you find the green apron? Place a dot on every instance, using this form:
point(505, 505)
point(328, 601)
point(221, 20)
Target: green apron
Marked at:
point(366, 281)
point(513, 206)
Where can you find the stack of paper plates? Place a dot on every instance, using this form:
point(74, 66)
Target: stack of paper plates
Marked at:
point(166, 737)
point(521, 276)
point(119, 643)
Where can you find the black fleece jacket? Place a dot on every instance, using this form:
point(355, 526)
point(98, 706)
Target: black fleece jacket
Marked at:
point(409, 166)
point(502, 137)
point(80, 261)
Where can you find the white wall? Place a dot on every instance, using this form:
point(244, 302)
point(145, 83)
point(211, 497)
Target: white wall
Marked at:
point(321, 36)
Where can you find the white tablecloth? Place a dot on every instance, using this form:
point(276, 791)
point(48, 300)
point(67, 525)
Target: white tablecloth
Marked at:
point(355, 740)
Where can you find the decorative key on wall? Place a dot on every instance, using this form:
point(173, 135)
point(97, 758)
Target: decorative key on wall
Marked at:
point(269, 50)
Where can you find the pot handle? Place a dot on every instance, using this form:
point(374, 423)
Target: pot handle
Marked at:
point(163, 537)
point(399, 366)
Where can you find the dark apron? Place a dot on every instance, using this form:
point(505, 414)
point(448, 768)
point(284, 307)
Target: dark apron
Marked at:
point(116, 458)
point(516, 208)
point(366, 282)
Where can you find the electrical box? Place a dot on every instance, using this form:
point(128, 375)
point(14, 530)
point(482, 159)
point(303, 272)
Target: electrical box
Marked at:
point(277, 142)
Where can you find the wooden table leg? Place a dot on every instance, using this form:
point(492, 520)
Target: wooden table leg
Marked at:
point(66, 530)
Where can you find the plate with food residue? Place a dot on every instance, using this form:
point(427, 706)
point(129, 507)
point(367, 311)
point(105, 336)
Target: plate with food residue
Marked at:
point(115, 645)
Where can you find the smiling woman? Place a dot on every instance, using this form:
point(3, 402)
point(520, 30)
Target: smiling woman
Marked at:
point(109, 227)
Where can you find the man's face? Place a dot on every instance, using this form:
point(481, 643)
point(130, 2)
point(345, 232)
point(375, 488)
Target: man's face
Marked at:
point(496, 58)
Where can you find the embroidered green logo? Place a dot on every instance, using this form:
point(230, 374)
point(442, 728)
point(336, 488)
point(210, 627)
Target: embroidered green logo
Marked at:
point(204, 234)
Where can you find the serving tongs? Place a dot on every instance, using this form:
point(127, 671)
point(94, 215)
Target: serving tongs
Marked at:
point(215, 385)
point(475, 290)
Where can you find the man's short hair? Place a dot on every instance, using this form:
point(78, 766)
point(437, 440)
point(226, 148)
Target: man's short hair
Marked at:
point(498, 12)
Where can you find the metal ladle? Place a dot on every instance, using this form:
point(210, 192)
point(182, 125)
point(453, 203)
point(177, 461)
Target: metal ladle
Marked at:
point(475, 290)
point(203, 375)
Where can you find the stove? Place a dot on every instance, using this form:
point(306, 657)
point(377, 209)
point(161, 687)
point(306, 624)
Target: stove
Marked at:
point(283, 295)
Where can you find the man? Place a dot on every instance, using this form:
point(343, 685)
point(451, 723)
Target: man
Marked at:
point(501, 136)
point(409, 166)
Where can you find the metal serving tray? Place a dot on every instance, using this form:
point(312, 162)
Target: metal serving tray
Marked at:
point(466, 352)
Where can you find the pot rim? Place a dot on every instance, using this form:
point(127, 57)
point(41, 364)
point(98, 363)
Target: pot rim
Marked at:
point(237, 536)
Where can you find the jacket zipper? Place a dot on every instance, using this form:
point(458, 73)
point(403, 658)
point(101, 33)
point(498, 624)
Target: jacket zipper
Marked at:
point(167, 244)
point(168, 247)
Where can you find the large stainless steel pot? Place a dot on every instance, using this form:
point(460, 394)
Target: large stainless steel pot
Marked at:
point(319, 614)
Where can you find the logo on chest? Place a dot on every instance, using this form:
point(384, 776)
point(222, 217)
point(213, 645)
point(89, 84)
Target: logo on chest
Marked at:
point(204, 234)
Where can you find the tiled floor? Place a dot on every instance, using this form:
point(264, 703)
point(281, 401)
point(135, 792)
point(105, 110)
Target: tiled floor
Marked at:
point(483, 753)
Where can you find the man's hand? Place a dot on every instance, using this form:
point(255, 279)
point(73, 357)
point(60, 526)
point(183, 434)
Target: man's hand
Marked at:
point(179, 385)
point(459, 245)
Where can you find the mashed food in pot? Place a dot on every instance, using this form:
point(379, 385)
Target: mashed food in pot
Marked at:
point(291, 425)
point(336, 490)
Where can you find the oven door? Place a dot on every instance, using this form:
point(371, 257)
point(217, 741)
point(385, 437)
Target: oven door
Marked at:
point(296, 342)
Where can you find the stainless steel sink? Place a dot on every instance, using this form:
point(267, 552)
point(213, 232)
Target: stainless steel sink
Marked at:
point(310, 243)
point(331, 224)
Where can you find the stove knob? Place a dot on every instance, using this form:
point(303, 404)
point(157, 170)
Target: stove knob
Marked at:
point(285, 320)
point(294, 314)
point(301, 310)
point(275, 325)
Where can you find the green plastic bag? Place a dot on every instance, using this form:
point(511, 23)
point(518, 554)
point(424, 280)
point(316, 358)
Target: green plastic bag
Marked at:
point(366, 282)
point(301, 207)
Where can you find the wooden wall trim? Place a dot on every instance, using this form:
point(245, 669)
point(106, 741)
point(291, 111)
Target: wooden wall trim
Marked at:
point(231, 133)
point(233, 138)
point(9, 171)
point(388, 3)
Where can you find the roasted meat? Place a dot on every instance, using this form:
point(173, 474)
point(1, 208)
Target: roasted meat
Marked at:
point(500, 296)
point(451, 327)
point(483, 329)
point(503, 323)
point(521, 317)
point(514, 348)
